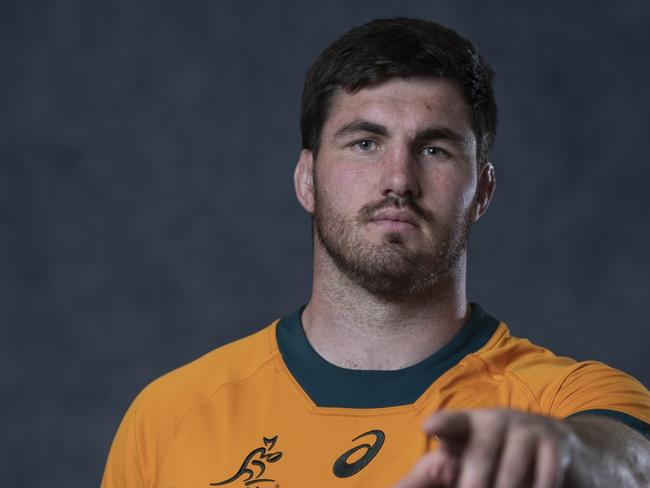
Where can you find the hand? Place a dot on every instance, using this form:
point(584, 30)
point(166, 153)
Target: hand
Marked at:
point(498, 448)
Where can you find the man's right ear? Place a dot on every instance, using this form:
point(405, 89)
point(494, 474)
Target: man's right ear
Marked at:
point(303, 180)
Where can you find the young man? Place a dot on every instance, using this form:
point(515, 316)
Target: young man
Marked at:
point(388, 377)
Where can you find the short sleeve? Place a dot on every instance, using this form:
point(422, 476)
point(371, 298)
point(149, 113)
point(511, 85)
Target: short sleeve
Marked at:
point(593, 387)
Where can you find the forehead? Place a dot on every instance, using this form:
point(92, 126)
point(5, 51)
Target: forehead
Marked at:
point(407, 104)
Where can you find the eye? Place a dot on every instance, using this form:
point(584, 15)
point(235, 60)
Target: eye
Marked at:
point(435, 151)
point(366, 145)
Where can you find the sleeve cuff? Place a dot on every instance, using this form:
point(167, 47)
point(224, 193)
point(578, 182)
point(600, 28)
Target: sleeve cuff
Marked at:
point(634, 423)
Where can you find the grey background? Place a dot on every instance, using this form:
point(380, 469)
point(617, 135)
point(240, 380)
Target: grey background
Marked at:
point(147, 211)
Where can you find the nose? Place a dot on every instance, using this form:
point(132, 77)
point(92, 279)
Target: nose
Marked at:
point(400, 174)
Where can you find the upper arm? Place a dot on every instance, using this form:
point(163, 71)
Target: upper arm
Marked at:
point(123, 468)
point(594, 388)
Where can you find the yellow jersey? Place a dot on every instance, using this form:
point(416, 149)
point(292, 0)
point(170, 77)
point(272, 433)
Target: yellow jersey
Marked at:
point(268, 412)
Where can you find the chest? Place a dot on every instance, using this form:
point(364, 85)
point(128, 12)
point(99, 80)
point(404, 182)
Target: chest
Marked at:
point(270, 435)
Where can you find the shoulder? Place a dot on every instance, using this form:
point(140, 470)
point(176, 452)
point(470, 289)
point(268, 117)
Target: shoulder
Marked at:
point(562, 386)
point(188, 386)
point(505, 353)
point(156, 415)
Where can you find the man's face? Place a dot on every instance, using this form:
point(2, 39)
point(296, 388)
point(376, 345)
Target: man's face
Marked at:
point(395, 185)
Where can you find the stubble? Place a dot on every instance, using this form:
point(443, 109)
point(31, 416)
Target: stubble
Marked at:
point(390, 270)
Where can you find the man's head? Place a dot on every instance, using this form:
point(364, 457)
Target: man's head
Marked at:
point(400, 47)
point(397, 121)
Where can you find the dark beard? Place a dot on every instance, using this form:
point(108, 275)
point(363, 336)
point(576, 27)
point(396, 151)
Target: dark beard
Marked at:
point(389, 270)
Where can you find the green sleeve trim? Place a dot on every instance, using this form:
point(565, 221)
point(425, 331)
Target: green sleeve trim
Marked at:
point(639, 425)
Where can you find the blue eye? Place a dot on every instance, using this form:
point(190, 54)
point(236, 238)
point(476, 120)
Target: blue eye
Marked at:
point(434, 151)
point(366, 145)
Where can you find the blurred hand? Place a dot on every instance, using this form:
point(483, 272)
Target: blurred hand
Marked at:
point(498, 448)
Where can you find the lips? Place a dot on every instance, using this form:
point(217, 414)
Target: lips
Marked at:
point(393, 215)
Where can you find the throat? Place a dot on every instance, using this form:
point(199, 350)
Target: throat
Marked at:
point(379, 343)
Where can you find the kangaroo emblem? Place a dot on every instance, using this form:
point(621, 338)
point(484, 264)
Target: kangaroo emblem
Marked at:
point(251, 465)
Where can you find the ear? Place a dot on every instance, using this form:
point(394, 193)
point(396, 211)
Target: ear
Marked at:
point(485, 189)
point(303, 180)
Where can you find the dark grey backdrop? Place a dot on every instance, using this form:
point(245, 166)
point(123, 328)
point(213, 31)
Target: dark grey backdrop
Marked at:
point(147, 211)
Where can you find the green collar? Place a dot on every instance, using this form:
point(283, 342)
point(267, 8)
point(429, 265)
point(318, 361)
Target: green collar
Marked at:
point(332, 386)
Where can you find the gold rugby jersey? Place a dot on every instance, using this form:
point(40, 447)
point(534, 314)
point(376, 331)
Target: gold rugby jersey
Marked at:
point(268, 412)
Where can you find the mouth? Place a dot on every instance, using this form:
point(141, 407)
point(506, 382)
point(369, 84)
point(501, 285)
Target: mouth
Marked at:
point(395, 220)
point(394, 225)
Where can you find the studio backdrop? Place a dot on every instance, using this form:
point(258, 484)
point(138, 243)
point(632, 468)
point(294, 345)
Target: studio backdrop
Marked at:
point(147, 209)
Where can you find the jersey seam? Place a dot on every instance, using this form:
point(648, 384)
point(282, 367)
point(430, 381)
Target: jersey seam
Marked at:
point(194, 407)
point(497, 335)
point(137, 450)
point(557, 390)
point(485, 369)
point(491, 344)
point(526, 388)
point(272, 342)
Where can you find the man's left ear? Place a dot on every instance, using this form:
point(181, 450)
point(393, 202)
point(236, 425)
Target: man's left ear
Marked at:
point(485, 189)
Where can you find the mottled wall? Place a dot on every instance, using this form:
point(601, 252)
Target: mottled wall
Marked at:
point(147, 211)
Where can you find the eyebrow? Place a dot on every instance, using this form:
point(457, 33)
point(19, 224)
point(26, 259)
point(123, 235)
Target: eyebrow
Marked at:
point(427, 134)
point(361, 126)
point(440, 133)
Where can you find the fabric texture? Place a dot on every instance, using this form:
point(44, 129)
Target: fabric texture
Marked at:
point(250, 413)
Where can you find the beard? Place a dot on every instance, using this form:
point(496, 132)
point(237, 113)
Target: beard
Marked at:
point(390, 270)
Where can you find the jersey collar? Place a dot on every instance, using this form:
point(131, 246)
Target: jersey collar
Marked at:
point(329, 385)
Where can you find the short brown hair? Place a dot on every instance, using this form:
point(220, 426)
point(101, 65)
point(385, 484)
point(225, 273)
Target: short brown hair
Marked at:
point(399, 47)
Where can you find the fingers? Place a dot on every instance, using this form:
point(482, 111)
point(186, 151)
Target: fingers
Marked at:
point(517, 461)
point(429, 472)
point(452, 428)
point(549, 472)
point(475, 438)
point(481, 455)
point(500, 448)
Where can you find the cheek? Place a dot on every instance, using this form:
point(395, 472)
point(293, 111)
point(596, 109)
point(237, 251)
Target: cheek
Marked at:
point(468, 196)
point(344, 189)
point(454, 191)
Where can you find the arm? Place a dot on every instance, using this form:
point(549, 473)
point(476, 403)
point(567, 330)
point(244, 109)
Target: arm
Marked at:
point(505, 448)
point(608, 454)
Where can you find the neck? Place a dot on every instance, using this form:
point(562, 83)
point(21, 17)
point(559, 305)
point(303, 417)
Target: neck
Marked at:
point(351, 328)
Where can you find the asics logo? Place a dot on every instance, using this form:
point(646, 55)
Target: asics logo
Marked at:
point(343, 469)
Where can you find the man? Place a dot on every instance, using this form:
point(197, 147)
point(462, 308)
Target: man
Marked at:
point(388, 377)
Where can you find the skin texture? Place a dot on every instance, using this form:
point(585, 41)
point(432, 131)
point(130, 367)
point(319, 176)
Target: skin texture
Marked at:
point(388, 293)
point(508, 449)
point(433, 180)
point(396, 260)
